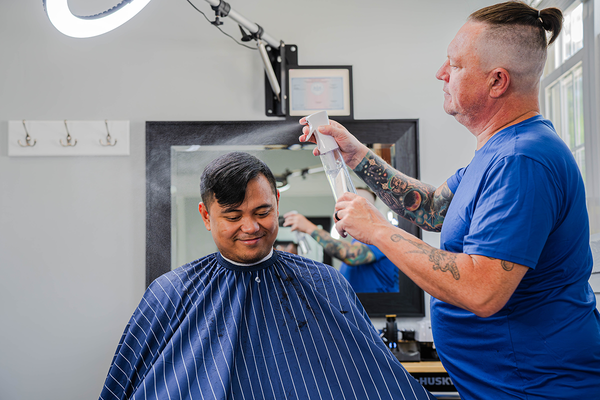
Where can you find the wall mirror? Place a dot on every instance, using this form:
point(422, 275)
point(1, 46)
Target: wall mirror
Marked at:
point(177, 152)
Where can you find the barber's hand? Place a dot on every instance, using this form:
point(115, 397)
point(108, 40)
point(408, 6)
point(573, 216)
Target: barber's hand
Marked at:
point(298, 222)
point(358, 218)
point(352, 150)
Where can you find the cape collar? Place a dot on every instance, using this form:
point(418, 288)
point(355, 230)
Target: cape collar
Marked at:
point(235, 266)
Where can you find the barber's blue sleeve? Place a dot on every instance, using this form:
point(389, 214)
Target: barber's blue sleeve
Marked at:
point(514, 212)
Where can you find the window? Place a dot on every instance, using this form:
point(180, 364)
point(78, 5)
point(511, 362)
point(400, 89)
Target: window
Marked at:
point(570, 97)
point(568, 94)
point(570, 40)
point(564, 107)
point(564, 94)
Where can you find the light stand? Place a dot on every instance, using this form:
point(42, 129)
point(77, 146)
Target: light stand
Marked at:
point(276, 57)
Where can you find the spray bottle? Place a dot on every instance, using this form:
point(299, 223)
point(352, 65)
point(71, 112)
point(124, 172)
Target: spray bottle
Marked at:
point(333, 163)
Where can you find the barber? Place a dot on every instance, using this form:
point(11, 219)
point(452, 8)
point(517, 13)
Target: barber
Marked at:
point(512, 312)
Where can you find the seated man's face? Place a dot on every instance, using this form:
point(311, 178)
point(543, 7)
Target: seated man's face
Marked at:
point(245, 233)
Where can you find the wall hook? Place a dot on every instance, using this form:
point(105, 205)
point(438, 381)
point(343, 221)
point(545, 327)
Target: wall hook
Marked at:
point(27, 138)
point(108, 138)
point(69, 139)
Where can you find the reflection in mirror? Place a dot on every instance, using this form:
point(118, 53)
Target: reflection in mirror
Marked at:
point(175, 157)
point(304, 189)
point(299, 243)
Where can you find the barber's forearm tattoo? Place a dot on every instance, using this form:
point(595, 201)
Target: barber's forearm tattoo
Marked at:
point(441, 260)
point(506, 265)
point(350, 253)
point(413, 200)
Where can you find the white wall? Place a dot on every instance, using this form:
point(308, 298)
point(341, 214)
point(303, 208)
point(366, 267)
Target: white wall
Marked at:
point(72, 230)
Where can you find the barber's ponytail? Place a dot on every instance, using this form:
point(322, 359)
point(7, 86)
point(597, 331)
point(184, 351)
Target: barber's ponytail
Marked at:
point(518, 13)
point(552, 19)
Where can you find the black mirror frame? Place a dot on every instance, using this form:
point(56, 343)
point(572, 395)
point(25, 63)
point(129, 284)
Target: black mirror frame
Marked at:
point(161, 135)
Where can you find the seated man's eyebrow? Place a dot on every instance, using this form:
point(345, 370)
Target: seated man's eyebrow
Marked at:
point(234, 209)
point(230, 210)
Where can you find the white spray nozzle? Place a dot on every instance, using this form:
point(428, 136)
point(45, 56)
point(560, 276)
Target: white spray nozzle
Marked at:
point(325, 143)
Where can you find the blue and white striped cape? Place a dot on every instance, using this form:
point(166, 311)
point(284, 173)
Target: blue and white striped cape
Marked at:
point(287, 328)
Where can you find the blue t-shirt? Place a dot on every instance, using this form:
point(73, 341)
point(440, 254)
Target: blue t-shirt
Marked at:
point(380, 276)
point(522, 199)
point(285, 328)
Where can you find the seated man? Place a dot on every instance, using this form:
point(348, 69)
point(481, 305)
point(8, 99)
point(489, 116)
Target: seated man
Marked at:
point(250, 322)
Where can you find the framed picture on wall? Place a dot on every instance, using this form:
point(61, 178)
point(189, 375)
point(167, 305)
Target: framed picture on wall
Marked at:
point(318, 88)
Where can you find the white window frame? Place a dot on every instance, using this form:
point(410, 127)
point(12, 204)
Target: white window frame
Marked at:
point(589, 57)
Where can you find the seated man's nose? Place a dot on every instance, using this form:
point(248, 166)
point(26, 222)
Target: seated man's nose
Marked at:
point(249, 225)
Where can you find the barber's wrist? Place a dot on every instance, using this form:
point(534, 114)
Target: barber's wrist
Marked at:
point(314, 228)
point(364, 160)
point(359, 155)
point(316, 232)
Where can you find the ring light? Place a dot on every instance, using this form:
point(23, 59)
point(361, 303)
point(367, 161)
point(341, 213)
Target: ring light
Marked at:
point(89, 26)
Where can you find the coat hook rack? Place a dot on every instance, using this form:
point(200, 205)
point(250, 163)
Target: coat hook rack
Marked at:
point(108, 138)
point(27, 138)
point(69, 139)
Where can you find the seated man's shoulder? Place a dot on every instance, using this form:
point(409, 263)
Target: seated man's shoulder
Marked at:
point(180, 279)
point(311, 269)
point(301, 260)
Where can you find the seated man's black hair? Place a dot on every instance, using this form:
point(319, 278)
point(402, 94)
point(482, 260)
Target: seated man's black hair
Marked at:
point(226, 178)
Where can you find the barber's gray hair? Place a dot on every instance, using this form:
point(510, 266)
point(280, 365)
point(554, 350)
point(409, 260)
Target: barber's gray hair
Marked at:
point(516, 39)
point(514, 13)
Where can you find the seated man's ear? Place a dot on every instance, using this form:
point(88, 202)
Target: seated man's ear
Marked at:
point(278, 194)
point(204, 213)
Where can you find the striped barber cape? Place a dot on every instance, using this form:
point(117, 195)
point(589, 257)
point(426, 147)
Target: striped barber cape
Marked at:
point(286, 328)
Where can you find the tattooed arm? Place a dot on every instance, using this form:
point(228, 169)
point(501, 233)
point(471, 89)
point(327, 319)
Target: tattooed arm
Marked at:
point(475, 283)
point(422, 204)
point(351, 253)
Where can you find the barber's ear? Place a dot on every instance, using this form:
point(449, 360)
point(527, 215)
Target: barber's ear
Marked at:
point(499, 82)
point(204, 213)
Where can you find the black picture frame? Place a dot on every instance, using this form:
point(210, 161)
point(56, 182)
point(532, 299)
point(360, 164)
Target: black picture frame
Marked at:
point(309, 68)
point(161, 135)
